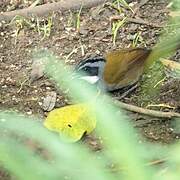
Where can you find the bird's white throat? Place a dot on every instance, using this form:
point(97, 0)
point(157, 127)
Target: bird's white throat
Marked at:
point(90, 79)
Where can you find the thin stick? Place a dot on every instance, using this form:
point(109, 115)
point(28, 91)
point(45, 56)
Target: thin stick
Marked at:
point(142, 3)
point(136, 21)
point(148, 112)
point(127, 92)
point(155, 162)
point(141, 21)
point(45, 9)
point(151, 163)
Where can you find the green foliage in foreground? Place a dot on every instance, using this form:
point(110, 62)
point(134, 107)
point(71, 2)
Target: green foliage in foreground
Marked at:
point(75, 161)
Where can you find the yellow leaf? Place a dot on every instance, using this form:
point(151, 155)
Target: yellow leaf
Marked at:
point(71, 121)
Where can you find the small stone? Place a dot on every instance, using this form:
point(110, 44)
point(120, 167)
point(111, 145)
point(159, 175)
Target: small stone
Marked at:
point(12, 66)
point(171, 129)
point(70, 38)
point(83, 31)
point(130, 37)
point(29, 112)
point(37, 70)
point(133, 27)
point(72, 61)
point(98, 52)
point(40, 103)
point(5, 86)
point(68, 29)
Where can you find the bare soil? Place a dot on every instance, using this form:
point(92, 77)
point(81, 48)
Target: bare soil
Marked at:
point(16, 91)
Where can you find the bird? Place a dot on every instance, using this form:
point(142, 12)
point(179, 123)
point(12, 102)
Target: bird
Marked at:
point(118, 69)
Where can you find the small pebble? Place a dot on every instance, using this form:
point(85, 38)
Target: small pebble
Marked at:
point(29, 112)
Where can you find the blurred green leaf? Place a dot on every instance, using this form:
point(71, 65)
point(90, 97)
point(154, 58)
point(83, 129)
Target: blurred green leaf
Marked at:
point(73, 163)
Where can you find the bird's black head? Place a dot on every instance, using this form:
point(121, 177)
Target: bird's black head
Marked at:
point(92, 69)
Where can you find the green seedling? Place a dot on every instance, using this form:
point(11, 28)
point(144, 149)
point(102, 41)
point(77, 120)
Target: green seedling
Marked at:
point(124, 4)
point(78, 22)
point(44, 29)
point(70, 19)
point(35, 3)
point(115, 6)
point(138, 39)
point(20, 22)
point(115, 28)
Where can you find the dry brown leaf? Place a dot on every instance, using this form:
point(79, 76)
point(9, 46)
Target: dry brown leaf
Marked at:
point(49, 101)
point(174, 13)
point(173, 65)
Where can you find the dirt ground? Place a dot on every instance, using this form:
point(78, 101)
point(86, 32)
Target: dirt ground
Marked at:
point(16, 91)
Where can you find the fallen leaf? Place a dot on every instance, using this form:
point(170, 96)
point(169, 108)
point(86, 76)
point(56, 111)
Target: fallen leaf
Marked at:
point(172, 68)
point(174, 13)
point(72, 121)
point(170, 64)
point(49, 101)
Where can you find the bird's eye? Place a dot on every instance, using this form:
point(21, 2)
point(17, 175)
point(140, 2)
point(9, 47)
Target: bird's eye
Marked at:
point(69, 125)
point(85, 69)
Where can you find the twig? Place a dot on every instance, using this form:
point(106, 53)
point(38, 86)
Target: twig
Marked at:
point(142, 3)
point(35, 3)
point(71, 53)
point(141, 21)
point(149, 112)
point(127, 92)
point(143, 123)
point(155, 162)
point(136, 21)
point(45, 9)
point(21, 86)
point(151, 163)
